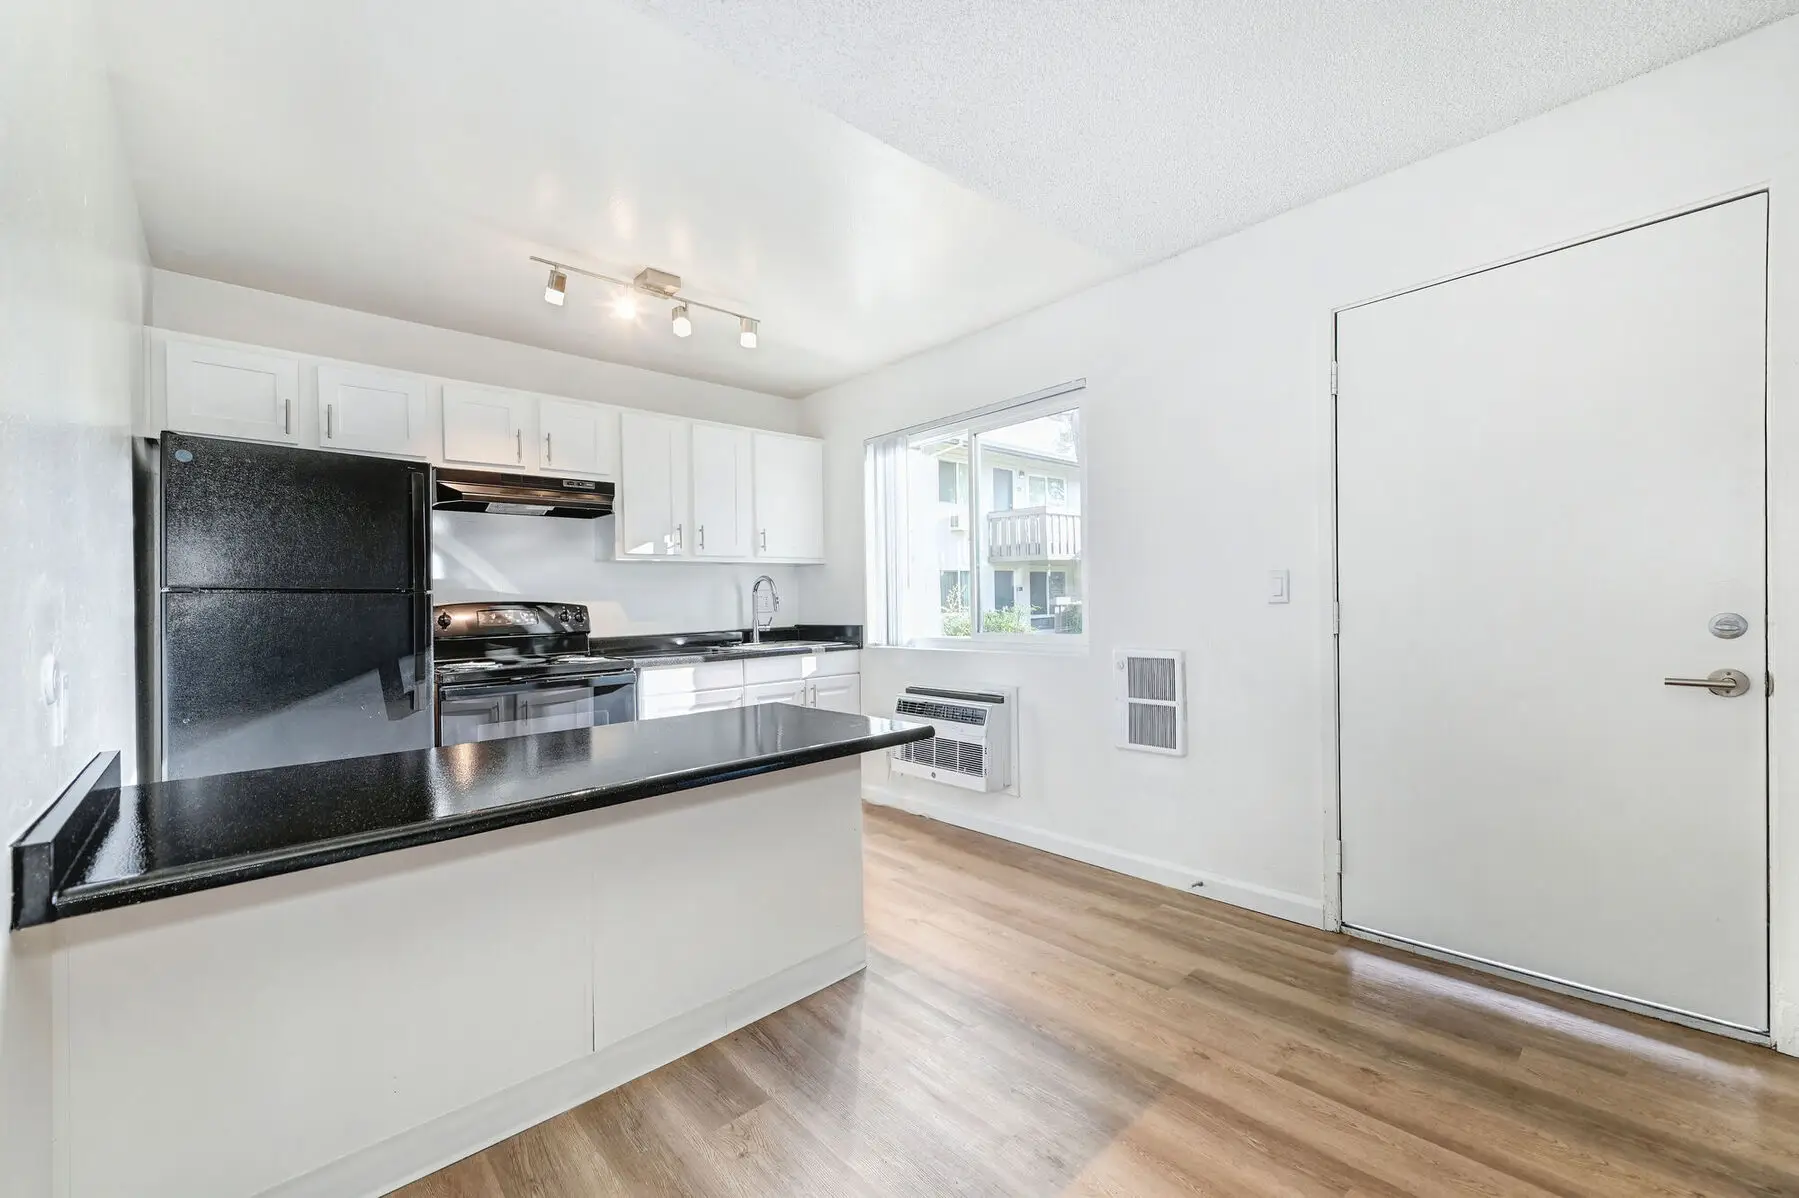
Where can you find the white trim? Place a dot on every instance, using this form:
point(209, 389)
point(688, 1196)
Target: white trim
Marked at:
point(1279, 903)
point(393, 1162)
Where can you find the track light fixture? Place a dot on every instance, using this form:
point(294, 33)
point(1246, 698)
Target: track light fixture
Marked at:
point(649, 282)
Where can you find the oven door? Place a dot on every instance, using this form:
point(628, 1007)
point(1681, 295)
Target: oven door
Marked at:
point(494, 710)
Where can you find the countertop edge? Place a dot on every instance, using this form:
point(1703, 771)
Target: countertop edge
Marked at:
point(68, 902)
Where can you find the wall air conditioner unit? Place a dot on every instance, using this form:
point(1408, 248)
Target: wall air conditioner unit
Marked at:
point(1151, 701)
point(973, 745)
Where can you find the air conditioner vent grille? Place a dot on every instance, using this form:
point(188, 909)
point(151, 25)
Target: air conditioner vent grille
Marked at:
point(928, 710)
point(958, 756)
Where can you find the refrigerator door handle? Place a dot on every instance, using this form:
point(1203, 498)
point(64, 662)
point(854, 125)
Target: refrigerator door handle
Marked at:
point(421, 588)
point(421, 651)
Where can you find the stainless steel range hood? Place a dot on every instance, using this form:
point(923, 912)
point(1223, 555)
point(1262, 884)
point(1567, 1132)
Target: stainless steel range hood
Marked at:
point(522, 494)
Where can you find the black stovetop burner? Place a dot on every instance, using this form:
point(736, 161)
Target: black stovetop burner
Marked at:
point(506, 640)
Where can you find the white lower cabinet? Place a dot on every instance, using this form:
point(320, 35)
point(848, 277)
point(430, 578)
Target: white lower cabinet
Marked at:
point(829, 681)
point(795, 692)
point(841, 692)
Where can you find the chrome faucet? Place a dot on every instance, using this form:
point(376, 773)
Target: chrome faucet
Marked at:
point(756, 608)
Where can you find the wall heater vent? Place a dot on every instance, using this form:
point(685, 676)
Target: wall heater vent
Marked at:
point(1152, 701)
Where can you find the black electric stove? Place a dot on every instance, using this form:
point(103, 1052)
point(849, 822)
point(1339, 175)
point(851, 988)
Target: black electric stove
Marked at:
point(515, 668)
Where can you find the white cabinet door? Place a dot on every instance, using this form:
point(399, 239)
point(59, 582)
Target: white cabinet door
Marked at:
point(841, 693)
point(795, 692)
point(577, 438)
point(723, 498)
point(653, 500)
point(790, 497)
point(486, 426)
point(231, 392)
point(373, 411)
point(656, 707)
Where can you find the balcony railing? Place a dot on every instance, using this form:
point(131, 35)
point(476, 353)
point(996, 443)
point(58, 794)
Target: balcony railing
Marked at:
point(1033, 534)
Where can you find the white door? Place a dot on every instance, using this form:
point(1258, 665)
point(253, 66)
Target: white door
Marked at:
point(484, 425)
point(841, 693)
point(794, 692)
point(1551, 487)
point(577, 438)
point(373, 411)
point(722, 498)
point(231, 392)
point(652, 493)
point(790, 503)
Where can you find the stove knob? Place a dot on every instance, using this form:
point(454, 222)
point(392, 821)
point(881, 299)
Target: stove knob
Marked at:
point(443, 620)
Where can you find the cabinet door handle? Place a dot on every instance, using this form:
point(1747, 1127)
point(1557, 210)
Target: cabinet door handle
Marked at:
point(680, 537)
point(287, 415)
point(546, 449)
point(327, 422)
point(765, 540)
point(702, 531)
point(518, 440)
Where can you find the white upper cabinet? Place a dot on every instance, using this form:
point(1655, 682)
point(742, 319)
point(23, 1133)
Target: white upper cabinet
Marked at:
point(488, 427)
point(231, 392)
point(373, 411)
point(789, 497)
point(654, 519)
point(723, 494)
point(577, 438)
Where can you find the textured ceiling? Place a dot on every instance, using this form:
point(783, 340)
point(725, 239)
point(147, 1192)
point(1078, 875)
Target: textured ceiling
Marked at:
point(407, 157)
point(1143, 127)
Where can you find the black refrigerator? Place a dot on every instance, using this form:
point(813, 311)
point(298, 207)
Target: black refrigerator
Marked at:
point(290, 605)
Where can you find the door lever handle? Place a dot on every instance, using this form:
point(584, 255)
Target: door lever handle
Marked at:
point(1726, 684)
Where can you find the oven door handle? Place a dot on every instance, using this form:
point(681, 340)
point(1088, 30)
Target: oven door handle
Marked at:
point(450, 690)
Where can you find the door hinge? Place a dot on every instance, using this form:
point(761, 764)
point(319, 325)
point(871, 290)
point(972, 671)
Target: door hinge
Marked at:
point(1333, 380)
point(1337, 857)
point(1336, 618)
point(1768, 690)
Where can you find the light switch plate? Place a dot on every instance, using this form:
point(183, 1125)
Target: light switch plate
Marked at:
point(1280, 586)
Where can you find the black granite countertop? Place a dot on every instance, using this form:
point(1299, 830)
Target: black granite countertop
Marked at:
point(102, 846)
point(692, 648)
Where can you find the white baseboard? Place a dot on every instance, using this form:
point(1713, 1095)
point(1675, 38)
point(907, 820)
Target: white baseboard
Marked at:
point(1279, 903)
point(411, 1155)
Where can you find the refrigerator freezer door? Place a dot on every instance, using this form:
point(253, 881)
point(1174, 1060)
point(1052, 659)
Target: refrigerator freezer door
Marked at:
point(250, 680)
point(270, 517)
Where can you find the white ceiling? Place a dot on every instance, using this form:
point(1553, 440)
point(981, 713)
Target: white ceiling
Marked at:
point(407, 157)
point(1142, 128)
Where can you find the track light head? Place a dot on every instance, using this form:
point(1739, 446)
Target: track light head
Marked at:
point(556, 289)
point(683, 323)
point(746, 335)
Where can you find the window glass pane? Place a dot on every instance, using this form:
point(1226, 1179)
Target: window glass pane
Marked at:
point(1033, 550)
point(935, 539)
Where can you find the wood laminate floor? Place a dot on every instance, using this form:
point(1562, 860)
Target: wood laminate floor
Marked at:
point(1029, 1025)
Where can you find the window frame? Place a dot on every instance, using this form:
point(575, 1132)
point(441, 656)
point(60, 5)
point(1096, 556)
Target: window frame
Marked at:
point(888, 526)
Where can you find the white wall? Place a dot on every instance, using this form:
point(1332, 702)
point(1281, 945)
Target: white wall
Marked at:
point(1208, 434)
point(479, 556)
point(72, 285)
point(185, 304)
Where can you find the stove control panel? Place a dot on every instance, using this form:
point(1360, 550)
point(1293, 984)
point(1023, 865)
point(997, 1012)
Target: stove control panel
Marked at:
point(467, 621)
